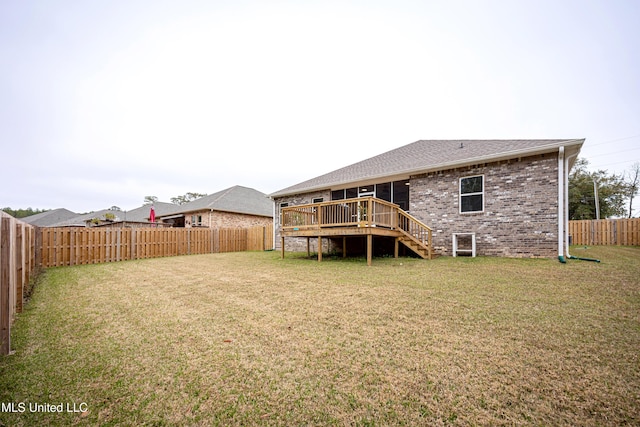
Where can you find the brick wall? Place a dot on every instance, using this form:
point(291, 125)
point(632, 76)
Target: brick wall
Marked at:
point(520, 217)
point(220, 219)
point(299, 244)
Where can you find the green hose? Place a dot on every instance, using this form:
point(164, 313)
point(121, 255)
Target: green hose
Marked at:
point(584, 259)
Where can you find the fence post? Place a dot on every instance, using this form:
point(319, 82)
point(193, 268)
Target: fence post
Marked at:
point(5, 286)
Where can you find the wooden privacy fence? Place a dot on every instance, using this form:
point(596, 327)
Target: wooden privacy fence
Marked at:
point(76, 245)
point(605, 232)
point(17, 267)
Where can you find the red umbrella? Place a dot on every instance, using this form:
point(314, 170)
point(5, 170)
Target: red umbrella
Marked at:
point(152, 215)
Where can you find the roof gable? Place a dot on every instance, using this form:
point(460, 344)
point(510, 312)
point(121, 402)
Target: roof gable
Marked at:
point(236, 199)
point(47, 218)
point(428, 156)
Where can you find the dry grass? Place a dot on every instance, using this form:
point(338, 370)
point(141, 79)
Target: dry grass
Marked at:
point(249, 339)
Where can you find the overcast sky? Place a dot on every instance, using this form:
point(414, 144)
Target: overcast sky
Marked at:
point(105, 102)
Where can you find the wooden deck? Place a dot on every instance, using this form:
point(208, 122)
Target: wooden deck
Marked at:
point(366, 216)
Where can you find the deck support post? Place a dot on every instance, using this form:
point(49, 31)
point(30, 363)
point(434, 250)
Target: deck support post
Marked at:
point(308, 247)
point(396, 247)
point(344, 246)
point(369, 248)
point(319, 248)
point(282, 245)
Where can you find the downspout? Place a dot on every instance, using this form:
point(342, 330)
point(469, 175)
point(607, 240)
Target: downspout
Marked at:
point(561, 214)
point(273, 230)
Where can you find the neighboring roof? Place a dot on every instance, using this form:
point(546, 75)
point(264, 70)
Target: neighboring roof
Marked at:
point(237, 199)
point(80, 220)
point(141, 214)
point(48, 218)
point(430, 156)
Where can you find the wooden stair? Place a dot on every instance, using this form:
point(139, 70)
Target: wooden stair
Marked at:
point(415, 235)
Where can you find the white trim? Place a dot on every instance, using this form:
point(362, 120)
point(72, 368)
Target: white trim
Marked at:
point(454, 242)
point(482, 193)
point(561, 214)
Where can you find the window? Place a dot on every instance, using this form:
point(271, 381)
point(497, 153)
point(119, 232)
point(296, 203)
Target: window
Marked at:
point(401, 194)
point(366, 190)
point(383, 191)
point(472, 194)
point(395, 192)
point(337, 195)
point(317, 200)
point(196, 220)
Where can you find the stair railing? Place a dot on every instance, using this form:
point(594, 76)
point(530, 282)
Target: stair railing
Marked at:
point(416, 231)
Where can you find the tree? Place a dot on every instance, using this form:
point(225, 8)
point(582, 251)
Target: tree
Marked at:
point(150, 200)
point(181, 200)
point(611, 189)
point(632, 180)
point(23, 213)
point(115, 208)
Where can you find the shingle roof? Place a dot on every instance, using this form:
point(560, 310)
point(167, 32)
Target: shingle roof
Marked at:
point(141, 214)
point(48, 218)
point(80, 220)
point(236, 199)
point(429, 156)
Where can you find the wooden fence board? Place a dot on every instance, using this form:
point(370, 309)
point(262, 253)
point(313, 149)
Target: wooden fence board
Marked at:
point(5, 288)
point(18, 258)
point(79, 245)
point(620, 231)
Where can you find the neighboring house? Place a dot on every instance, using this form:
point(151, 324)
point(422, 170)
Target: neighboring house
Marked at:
point(512, 194)
point(138, 217)
point(89, 219)
point(142, 214)
point(49, 218)
point(235, 207)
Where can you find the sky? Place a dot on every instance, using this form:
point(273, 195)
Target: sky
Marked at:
point(104, 103)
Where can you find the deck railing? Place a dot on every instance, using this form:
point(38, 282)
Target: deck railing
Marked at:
point(361, 212)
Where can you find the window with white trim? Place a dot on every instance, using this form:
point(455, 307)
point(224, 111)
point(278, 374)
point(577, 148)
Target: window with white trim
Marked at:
point(472, 194)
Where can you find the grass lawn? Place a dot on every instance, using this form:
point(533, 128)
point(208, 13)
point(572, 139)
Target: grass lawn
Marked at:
point(250, 339)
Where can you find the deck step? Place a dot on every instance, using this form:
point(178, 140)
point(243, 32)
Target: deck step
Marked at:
point(419, 249)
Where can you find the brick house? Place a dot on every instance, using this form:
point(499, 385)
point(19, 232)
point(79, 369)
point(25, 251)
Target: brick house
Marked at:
point(502, 197)
point(234, 207)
